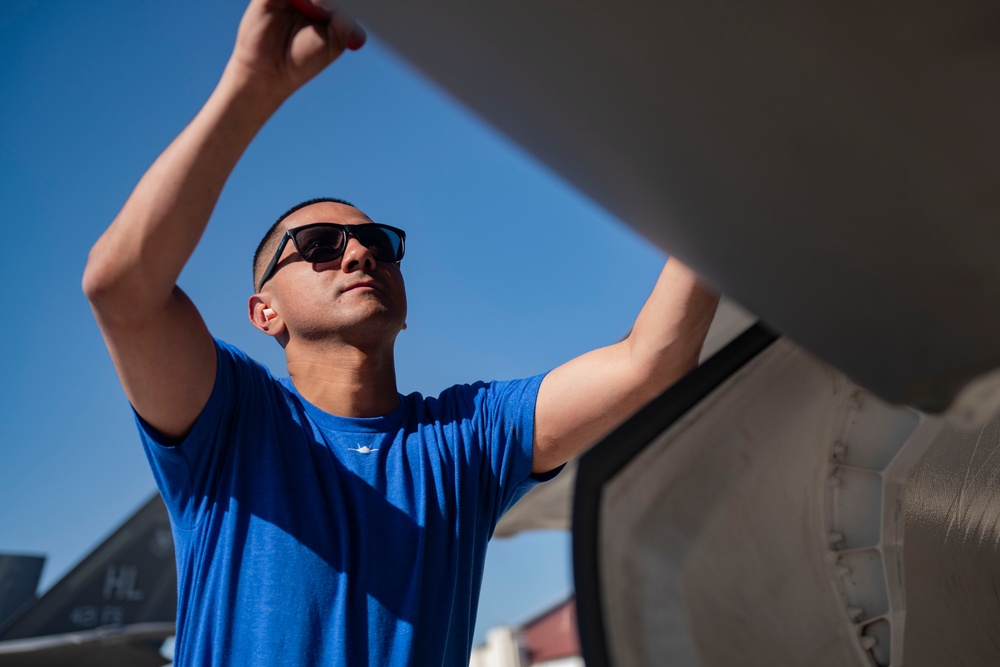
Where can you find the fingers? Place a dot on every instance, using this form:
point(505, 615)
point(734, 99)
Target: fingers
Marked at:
point(318, 14)
point(344, 30)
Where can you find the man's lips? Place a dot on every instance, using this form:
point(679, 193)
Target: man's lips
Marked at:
point(361, 284)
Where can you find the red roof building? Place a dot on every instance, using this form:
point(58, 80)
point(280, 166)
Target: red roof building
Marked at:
point(549, 639)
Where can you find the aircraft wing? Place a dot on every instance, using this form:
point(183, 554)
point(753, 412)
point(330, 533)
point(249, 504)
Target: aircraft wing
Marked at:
point(129, 646)
point(830, 167)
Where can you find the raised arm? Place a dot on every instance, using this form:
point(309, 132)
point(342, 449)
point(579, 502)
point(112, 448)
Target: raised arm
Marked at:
point(158, 342)
point(584, 399)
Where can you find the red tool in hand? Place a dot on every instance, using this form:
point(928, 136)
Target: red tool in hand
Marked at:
point(321, 11)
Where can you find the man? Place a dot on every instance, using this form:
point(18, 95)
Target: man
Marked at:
point(324, 518)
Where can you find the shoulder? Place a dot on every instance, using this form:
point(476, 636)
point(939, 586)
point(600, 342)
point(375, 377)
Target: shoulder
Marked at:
point(235, 355)
point(459, 398)
point(466, 401)
point(241, 377)
point(238, 360)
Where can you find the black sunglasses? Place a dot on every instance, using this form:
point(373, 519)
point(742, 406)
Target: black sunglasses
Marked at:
point(326, 241)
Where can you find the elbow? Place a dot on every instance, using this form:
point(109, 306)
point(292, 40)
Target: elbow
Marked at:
point(97, 282)
point(678, 364)
point(111, 289)
point(687, 360)
point(93, 282)
point(119, 287)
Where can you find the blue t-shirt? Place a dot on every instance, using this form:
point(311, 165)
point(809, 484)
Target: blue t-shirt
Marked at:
point(305, 538)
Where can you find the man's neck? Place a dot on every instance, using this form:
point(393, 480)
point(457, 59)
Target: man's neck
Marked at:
point(344, 380)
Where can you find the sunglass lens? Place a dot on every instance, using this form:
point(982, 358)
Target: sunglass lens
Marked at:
point(383, 243)
point(320, 244)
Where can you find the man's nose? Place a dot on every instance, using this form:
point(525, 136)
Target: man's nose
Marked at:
point(357, 256)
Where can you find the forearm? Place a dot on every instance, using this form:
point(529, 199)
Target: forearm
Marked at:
point(669, 331)
point(134, 265)
point(585, 398)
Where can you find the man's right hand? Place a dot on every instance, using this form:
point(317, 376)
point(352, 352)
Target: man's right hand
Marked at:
point(280, 48)
point(159, 343)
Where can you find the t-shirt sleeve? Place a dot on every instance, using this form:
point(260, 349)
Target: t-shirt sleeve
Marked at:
point(188, 471)
point(508, 428)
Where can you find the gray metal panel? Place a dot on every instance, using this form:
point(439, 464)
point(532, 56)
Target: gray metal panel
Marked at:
point(789, 517)
point(717, 528)
point(833, 167)
point(953, 551)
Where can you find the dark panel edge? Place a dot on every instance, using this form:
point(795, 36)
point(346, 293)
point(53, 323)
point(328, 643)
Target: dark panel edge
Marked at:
point(605, 459)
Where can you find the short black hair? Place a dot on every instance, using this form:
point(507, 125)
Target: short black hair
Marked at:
point(270, 236)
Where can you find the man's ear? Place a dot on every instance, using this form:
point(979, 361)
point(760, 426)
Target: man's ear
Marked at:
point(264, 317)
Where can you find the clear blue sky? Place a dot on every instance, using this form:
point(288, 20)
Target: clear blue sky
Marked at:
point(509, 270)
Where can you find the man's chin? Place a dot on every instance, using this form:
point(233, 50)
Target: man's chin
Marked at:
point(374, 324)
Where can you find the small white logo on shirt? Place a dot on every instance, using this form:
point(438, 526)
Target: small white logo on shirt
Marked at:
point(364, 449)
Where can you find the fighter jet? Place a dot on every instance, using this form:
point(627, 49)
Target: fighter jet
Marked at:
point(115, 608)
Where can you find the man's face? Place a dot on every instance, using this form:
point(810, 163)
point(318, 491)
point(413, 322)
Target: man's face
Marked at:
point(353, 295)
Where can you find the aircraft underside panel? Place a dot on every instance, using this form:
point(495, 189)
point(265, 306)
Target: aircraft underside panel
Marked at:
point(832, 167)
point(768, 511)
